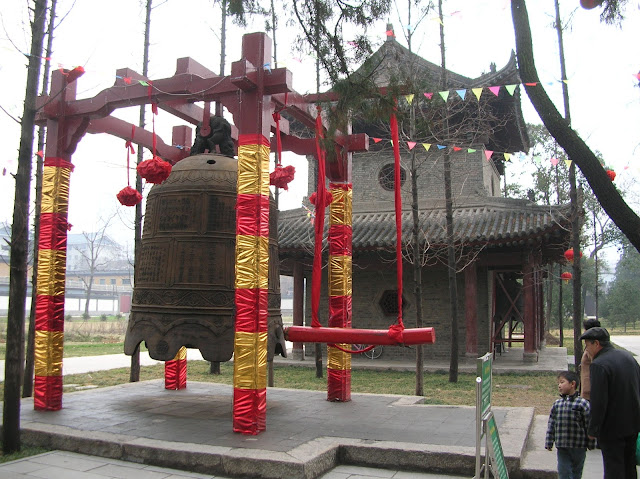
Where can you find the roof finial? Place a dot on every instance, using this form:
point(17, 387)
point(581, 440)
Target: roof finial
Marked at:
point(390, 34)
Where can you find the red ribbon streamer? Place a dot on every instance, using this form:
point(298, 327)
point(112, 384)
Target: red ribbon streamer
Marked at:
point(398, 204)
point(316, 278)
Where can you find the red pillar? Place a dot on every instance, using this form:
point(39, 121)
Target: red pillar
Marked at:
point(471, 309)
point(528, 290)
point(252, 238)
point(298, 306)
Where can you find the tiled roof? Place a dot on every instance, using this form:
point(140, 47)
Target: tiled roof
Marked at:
point(499, 222)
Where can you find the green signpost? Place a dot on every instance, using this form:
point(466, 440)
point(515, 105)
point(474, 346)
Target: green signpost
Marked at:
point(486, 424)
point(497, 457)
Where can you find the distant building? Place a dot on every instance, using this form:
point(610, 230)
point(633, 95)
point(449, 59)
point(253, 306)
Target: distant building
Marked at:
point(501, 243)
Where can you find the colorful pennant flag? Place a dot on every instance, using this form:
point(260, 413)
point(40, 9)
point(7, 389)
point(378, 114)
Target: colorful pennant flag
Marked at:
point(510, 89)
point(409, 98)
point(495, 90)
point(488, 154)
point(444, 94)
point(411, 144)
point(426, 146)
point(477, 92)
point(554, 161)
point(461, 93)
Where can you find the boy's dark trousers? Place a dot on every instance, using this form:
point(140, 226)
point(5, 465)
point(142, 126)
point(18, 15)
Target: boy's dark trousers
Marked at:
point(571, 462)
point(619, 457)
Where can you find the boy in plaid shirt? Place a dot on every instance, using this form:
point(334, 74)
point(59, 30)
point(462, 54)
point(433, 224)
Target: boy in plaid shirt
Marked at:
point(567, 427)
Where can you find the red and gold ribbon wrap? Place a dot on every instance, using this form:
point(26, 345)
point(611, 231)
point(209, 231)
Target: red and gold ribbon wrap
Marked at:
point(340, 290)
point(50, 287)
point(251, 284)
point(175, 371)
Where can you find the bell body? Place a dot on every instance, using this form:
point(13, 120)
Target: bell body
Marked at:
point(184, 292)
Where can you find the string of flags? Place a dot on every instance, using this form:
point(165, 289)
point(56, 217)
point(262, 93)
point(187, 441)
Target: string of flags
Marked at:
point(488, 154)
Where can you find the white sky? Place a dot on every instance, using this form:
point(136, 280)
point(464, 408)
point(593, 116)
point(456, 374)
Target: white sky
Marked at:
point(104, 36)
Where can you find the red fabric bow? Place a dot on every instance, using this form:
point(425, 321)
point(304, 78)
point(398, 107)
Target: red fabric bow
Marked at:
point(282, 176)
point(611, 174)
point(129, 196)
point(328, 198)
point(155, 170)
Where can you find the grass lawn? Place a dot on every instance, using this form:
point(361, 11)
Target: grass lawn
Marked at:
point(26, 451)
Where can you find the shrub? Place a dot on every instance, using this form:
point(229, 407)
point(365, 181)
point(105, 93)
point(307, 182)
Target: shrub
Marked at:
point(103, 317)
point(86, 316)
point(68, 317)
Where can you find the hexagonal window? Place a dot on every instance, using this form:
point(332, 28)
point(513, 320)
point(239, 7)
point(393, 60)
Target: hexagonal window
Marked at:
point(389, 302)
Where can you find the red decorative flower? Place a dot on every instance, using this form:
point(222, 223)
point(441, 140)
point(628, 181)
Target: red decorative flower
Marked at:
point(611, 174)
point(328, 198)
point(155, 170)
point(589, 4)
point(281, 177)
point(129, 196)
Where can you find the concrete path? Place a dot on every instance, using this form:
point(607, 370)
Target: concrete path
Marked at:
point(536, 462)
point(70, 465)
point(630, 343)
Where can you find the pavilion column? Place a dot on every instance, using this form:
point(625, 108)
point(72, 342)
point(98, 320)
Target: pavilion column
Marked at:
point(471, 309)
point(541, 310)
point(298, 306)
point(175, 371)
point(252, 241)
point(62, 135)
point(340, 290)
point(528, 291)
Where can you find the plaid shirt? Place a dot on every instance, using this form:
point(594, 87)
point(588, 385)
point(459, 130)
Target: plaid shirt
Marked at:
point(568, 423)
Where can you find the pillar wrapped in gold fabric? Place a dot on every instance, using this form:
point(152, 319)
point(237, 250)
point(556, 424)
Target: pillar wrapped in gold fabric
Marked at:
point(184, 278)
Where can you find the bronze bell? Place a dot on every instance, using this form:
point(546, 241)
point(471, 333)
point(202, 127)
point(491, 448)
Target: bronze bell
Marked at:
point(184, 278)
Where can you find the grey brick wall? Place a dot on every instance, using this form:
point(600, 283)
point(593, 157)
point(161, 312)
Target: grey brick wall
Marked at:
point(471, 175)
point(370, 283)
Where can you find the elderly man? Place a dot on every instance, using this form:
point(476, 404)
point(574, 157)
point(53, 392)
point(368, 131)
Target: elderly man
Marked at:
point(615, 404)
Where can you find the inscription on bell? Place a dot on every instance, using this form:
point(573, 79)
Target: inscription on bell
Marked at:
point(210, 266)
point(147, 270)
point(178, 213)
point(221, 215)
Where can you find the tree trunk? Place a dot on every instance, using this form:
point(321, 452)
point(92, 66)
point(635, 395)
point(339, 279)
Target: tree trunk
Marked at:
point(451, 255)
point(134, 371)
point(604, 190)
point(14, 356)
point(27, 384)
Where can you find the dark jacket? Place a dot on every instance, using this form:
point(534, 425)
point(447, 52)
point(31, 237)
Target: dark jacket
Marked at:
point(615, 395)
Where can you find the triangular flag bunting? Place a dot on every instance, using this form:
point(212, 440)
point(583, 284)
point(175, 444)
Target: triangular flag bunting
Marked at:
point(456, 148)
point(444, 94)
point(537, 159)
point(409, 98)
point(411, 144)
point(531, 83)
point(477, 92)
point(461, 93)
point(554, 161)
point(391, 141)
point(565, 81)
point(510, 88)
point(495, 90)
point(637, 75)
point(488, 154)
point(426, 146)
point(390, 33)
point(568, 163)
point(429, 95)
point(441, 147)
point(377, 140)
point(507, 157)
point(471, 150)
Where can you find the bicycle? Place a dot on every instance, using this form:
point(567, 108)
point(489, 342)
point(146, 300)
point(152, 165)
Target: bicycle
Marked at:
point(371, 352)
